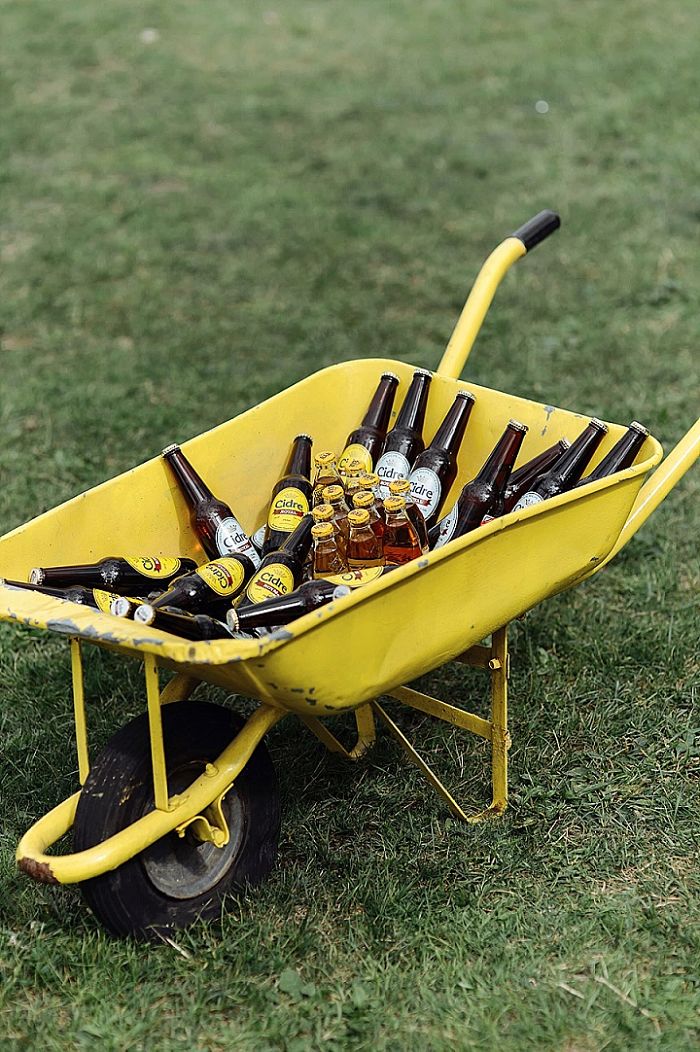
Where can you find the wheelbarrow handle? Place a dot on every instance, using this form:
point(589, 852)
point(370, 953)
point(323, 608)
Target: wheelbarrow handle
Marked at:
point(484, 288)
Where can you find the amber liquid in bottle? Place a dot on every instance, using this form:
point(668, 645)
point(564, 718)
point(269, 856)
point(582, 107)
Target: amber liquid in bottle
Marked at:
point(364, 547)
point(401, 540)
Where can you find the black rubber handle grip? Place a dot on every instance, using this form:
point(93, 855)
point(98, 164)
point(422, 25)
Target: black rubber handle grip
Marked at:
point(537, 228)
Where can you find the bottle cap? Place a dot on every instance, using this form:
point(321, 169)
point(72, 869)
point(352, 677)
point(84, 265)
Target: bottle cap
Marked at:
point(322, 529)
point(639, 427)
point(232, 619)
point(341, 590)
point(466, 394)
point(517, 425)
point(37, 576)
point(369, 480)
point(399, 486)
point(394, 503)
point(422, 372)
point(358, 517)
point(390, 376)
point(174, 448)
point(120, 607)
point(363, 499)
point(307, 437)
point(333, 494)
point(599, 424)
point(323, 513)
point(326, 457)
point(145, 614)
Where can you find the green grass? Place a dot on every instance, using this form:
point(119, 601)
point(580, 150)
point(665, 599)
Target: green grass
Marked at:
point(192, 224)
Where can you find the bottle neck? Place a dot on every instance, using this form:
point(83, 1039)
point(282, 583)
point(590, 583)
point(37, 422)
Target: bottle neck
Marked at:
point(412, 413)
point(570, 466)
point(299, 462)
point(194, 487)
point(379, 411)
point(450, 433)
point(539, 464)
point(622, 454)
point(496, 471)
point(270, 612)
point(299, 542)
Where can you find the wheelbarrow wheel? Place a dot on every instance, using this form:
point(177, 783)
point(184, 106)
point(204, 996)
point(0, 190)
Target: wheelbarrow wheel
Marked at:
point(176, 880)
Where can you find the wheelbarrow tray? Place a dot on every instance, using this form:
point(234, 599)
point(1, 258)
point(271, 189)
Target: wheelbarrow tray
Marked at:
point(383, 634)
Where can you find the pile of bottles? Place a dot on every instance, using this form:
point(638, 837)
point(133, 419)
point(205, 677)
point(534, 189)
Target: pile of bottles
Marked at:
point(334, 524)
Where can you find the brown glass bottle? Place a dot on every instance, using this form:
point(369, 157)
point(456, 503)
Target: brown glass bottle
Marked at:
point(291, 496)
point(273, 612)
point(366, 499)
point(524, 477)
point(405, 440)
point(366, 441)
point(567, 470)
point(210, 586)
point(218, 529)
point(479, 495)
point(401, 541)
point(179, 623)
point(364, 547)
point(281, 571)
point(621, 456)
point(402, 488)
point(435, 469)
point(370, 481)
point(325, 513)
point(325, 474)
point(335, 496)
point(97, 598)
point(120, 574)
point(328, 557)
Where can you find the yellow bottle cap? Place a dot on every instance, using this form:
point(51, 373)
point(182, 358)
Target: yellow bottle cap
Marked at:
point(394, 503)
point(333, 494)
point(325, 458)
point(354, 468)
point(323, 513)
point(399, 486)
point(322, 530)
point(369, 480)
point(358, 517)
point(363, 499)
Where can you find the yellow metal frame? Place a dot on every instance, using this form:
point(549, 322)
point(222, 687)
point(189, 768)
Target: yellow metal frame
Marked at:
point(199, 806)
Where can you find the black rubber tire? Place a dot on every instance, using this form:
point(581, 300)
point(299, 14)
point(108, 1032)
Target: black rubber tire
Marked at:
point(119, 790)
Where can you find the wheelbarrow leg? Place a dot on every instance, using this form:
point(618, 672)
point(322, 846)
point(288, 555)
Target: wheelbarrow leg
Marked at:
point(366, 733)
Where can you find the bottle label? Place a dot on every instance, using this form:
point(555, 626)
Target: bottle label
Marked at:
point(355, 452)
point(391, 466)
point(355, 578)
point(288, 507)
point(487, 518)
point(152, 566)
point(273, 581)
point(527, 500)
point(231, 537)
point(447, 527)
point(258, 537)
point(224, 576)
point(104, 599)
point(426, 490)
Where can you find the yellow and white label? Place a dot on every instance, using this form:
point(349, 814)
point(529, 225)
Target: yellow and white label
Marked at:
point(104, 599)
point(356, 578)
point(273, 581)
point(224, 576)
point(287, 509)
point(153, 565)
point(355, 452)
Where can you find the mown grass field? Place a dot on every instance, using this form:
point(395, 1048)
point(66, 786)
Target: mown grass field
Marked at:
point(194, 218)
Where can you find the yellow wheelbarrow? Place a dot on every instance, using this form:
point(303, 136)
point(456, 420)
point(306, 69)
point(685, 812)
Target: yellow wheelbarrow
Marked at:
point(182, 805)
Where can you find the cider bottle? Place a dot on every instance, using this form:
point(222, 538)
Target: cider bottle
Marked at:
point(328, 558)
point(354, 470)
point(567, 470)
point(291, 496)
point(405, 440)
point(324, 513)
point(326, 474)
point(97, 598)
point(335, 496)
point(401, 541)
point(364, 547)
point(366, 441)
point(622, 455)
point(523, 478)
point(435, 469)
point(402, 488)
point(120, 574)
point(281, 571)
point(218, 529)
point(365, 499)
point(479, 496)
point(370, 481)
point(210, 586)
point(273, 612)
point(188, 626)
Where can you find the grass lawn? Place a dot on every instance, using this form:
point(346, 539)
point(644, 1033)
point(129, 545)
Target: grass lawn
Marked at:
point(193, 218)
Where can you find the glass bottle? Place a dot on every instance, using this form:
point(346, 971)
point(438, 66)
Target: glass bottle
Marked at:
point(365, 499)
point(281, 571)
point(401, 541)
point(129, 573)
point(364, 547)
point(291, 496)
point(273, 612)
point(178, 623)
point(328, 558)
point(522, 479)
point(325, 474)
point(97, 598)
point(405, 440)
point(621, 456)
point(335, 496)
point(210, 586)
point(567, 470)
point(366, 441)
point(435, 469)
point(402, 488)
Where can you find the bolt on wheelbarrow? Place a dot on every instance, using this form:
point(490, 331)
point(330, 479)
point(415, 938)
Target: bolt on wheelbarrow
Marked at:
point(182, 805)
